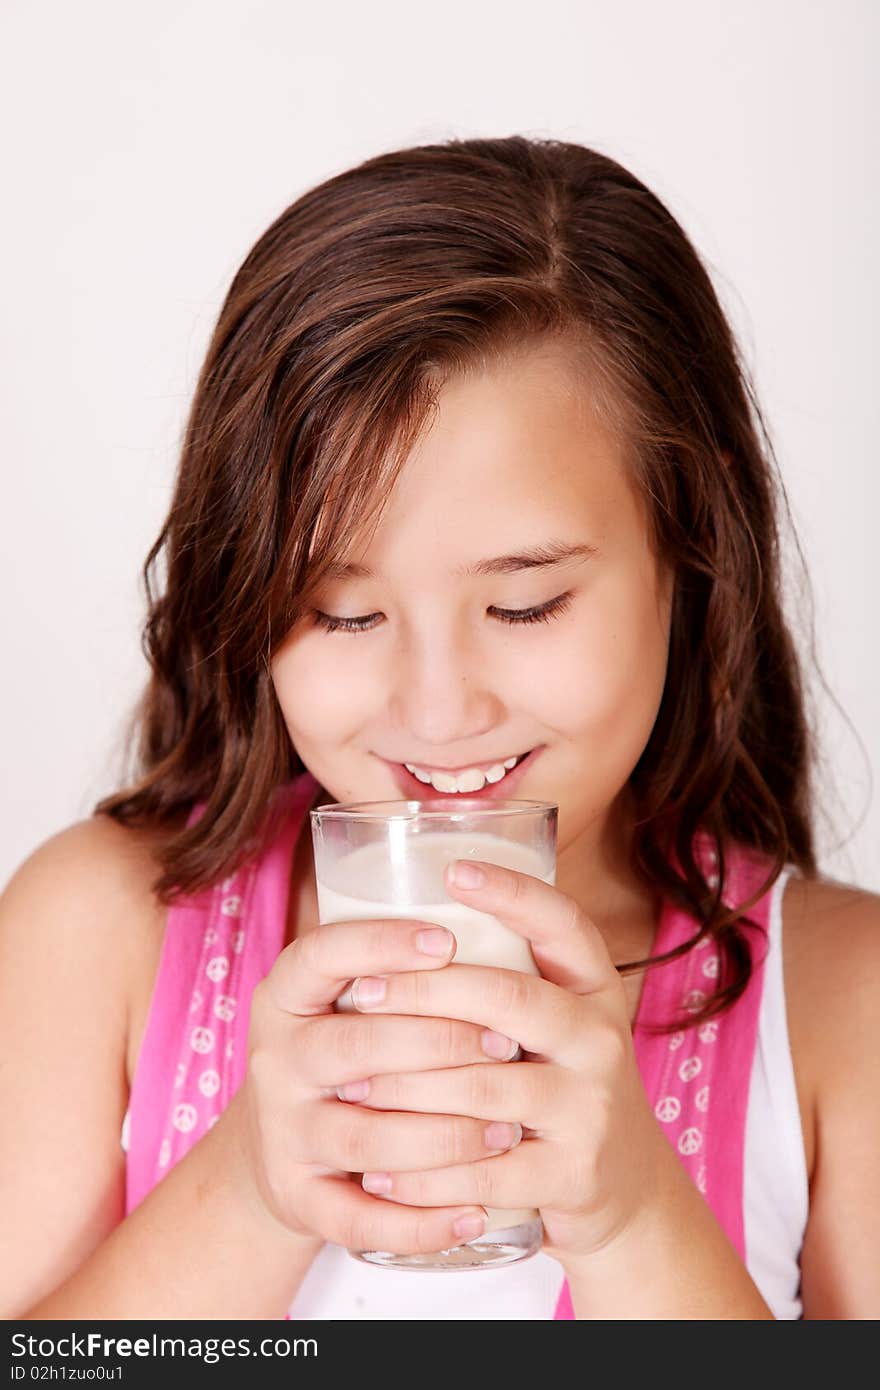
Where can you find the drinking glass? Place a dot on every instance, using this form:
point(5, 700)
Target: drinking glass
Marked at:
point(386, 859)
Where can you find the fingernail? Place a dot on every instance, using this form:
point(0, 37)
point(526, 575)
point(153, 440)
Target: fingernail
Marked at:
point(496, 1045)
point(353, 1090)
point(366, 991)
point(499, 1135)
point(434, 941)
point(380, 1183)
point(469, 1227)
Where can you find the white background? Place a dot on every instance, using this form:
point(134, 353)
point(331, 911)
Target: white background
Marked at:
point(148, 146)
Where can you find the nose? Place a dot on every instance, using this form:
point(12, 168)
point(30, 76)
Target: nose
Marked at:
point(442, 692)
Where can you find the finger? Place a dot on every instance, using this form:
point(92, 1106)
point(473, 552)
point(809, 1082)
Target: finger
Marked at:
point(345, 1215)
point(542, 1017)
point(531, 1092)
point(528, 1176)
point(568, 947)
point(330, 1049)
point(310, 973)
point(354, 1139)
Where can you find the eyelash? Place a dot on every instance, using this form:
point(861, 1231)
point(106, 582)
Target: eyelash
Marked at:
point(541, 614)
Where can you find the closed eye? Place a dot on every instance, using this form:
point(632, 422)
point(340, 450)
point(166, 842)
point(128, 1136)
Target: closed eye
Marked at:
point(541, 614)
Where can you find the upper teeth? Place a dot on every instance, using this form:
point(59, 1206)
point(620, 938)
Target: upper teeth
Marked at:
point(471, 780)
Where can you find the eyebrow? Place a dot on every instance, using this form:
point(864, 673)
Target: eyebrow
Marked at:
point(553, 552)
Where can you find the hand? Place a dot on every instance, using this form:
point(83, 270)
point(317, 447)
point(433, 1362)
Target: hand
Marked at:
point(591, 1148)
point(300, 1142)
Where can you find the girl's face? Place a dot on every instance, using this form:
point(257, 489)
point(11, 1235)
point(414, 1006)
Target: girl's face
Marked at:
point(513, 460)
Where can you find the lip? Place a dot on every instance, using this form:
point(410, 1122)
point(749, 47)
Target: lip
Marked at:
point(414, 790)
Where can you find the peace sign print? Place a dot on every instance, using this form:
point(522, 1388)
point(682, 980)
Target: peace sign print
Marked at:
point(217, 969)
point(668, 1109)
point(224, 1007)
point(690, 1067)
point(209, 1082)
point(691, 1141)
point(184, 1118)
point(201, 1039)
point(693, 999)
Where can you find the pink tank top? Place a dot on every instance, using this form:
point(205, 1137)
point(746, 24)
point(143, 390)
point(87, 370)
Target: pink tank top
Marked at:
point(220, 943)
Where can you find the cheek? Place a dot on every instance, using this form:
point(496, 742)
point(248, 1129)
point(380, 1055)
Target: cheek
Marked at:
point(316, 687)
point(610, 669)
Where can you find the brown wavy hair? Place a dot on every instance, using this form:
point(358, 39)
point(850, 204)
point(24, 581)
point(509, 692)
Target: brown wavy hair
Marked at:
point(338, 329)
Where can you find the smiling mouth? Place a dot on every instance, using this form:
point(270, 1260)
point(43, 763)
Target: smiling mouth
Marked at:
point(473, 782)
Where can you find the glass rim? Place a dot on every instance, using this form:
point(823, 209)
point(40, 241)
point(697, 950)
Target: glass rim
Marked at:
point(465, 808)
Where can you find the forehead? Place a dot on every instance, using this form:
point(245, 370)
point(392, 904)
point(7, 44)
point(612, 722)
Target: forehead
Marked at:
point(515, 452)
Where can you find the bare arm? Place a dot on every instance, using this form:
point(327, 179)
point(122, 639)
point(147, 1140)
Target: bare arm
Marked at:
point(231, 1230)
point(676, 1264)
point(832, 981)
point(834, 945)
point(200, 1245)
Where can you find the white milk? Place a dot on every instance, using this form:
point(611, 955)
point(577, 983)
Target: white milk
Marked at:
point(376, 886)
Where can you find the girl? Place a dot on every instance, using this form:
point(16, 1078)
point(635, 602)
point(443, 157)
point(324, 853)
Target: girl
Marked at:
point(472, 472)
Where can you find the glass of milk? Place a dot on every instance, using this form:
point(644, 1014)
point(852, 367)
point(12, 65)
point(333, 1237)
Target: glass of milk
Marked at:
point(386, 859)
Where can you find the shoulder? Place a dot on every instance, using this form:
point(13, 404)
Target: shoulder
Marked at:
point(831, 956)
point(93, 863)
point(82, 840)
point(831, 961)
point(86, 895)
